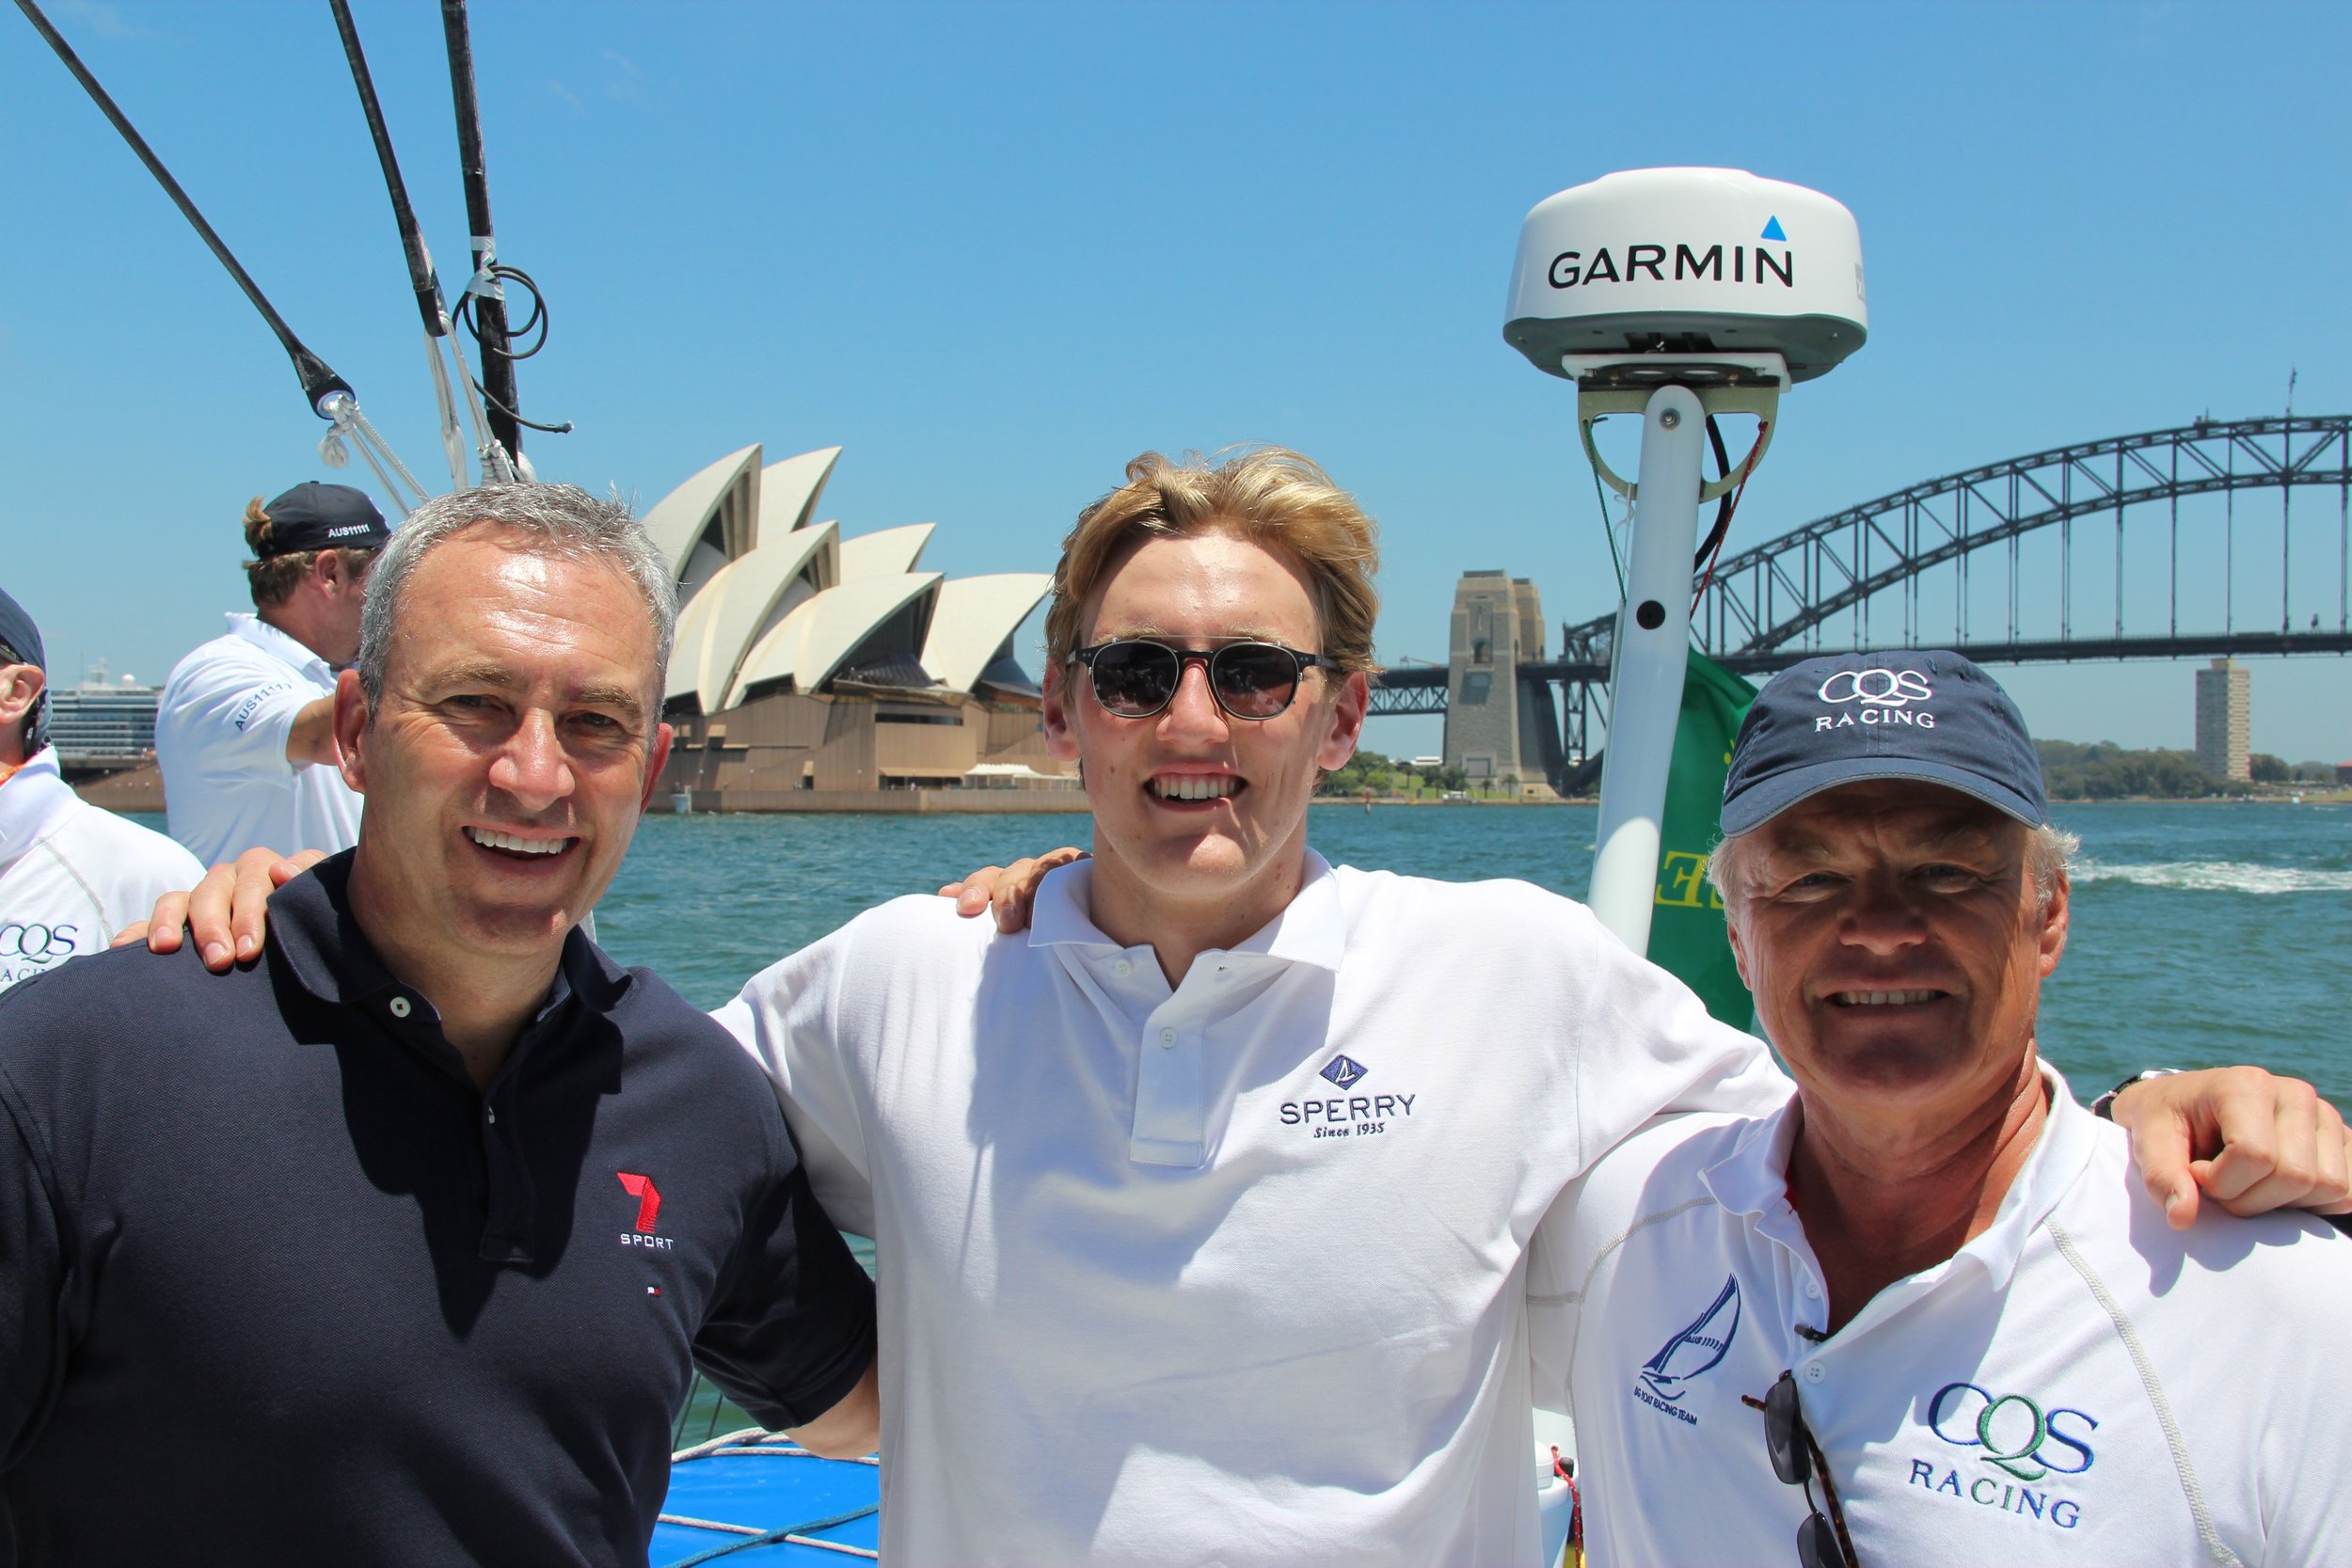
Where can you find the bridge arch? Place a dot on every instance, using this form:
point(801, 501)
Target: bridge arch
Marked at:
point(1777, 597)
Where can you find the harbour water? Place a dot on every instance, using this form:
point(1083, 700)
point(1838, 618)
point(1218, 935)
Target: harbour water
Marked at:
point(2203, 934)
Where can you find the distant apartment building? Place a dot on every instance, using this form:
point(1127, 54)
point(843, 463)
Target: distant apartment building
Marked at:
point(2225, 715)
point(1497, 726)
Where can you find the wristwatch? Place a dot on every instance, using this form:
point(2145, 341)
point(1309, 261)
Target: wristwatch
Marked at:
point(2104, 1106)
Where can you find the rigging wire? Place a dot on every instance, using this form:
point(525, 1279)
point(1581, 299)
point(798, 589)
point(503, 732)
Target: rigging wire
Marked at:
point(320, 383)
point(422, 279)
point(330, 395)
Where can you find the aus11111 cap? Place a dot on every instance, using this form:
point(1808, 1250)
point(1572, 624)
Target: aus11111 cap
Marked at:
point(316, 516)
point(1906, 714)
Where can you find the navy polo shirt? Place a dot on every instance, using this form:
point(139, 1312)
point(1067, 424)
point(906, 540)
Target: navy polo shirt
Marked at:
point(281, 1287)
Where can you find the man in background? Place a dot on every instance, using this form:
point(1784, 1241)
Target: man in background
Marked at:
point(70, 874)
point(245, 731)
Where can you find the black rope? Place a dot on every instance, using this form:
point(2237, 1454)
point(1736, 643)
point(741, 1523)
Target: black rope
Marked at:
point(1722, 505)
point(536, 321)
point(319, 382)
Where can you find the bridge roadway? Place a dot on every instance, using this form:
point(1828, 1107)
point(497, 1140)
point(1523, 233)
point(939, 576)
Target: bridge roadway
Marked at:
point(1422, 688)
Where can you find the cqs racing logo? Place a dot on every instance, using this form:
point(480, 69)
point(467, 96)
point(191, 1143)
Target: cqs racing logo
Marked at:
point(2015, 1436)
point(28, 947)
point(1685, 1355)
point(648, 1199)
point(1739, 263)
point(1875, 697)
point(1347, 1115)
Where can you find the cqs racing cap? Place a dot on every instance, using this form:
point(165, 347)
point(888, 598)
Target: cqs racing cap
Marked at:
point(1900, 714)
point(316, 516)
point(19, 643)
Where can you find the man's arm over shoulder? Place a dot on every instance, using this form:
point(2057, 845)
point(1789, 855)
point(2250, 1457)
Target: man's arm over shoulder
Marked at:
point(819, 1020)
point(1646, 1045)
point(1648, 1176)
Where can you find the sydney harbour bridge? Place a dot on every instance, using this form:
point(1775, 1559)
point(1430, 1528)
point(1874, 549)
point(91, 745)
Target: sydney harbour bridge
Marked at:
point(2218, 537)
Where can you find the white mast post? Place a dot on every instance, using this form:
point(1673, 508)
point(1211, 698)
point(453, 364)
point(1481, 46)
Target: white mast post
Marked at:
point(1648, 663)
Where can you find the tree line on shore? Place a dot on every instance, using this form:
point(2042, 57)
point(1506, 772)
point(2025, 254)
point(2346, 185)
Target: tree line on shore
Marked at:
point(2071, 770)
point(2102, 770)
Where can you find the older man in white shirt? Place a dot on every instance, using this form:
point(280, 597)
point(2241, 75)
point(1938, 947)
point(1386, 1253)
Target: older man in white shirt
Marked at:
point(1920, 1311)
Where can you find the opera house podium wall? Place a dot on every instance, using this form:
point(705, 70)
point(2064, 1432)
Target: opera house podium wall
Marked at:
point(838, 751)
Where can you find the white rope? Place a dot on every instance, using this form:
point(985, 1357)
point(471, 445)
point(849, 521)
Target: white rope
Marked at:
point(497, 466)
point(348, 422)
point(453, 442)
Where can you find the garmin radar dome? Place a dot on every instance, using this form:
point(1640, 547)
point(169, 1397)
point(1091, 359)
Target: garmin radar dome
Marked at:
point(1678, 295)
point(1687, 260)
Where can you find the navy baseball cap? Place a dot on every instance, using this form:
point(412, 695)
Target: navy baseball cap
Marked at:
point(19, 643)
point(1905, 714)
point(315, 516)
point(19, 635)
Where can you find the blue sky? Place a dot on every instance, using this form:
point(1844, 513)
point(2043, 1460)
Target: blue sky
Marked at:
point(995, 250)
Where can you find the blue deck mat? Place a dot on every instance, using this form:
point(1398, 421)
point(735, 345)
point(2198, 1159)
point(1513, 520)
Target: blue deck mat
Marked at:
point(778, 1487)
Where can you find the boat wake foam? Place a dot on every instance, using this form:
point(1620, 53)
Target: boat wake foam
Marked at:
point(2217, 877)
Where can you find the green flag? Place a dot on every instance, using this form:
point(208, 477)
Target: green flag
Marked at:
point(1686, 933)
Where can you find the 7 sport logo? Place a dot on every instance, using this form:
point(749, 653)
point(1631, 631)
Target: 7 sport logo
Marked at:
point(648, 1199)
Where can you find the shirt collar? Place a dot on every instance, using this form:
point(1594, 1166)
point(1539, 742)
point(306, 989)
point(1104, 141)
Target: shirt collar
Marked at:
point(278, 644)
point(31, 802)
point(1311, 928)
point(313, 930)
point(1752, 1178)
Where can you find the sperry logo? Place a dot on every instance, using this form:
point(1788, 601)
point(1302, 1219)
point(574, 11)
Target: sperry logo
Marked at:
point(1344, 1071)
point(1346, 1115)
point(648, 1199)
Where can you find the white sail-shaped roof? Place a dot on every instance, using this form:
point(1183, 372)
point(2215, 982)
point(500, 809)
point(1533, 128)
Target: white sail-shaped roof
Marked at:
point(789, 491)
point(809, 643)
point(743, 599)
point(973, 618)
point(707, 521)
point(886, 554)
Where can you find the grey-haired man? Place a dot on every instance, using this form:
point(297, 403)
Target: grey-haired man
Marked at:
point(1924, 1312)
point(401, 1244)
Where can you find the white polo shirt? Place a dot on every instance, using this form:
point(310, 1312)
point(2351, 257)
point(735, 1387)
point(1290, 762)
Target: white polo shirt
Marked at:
point(1231, 1274)
point(2080, 1384)
point(71, 875)
point(220, 736)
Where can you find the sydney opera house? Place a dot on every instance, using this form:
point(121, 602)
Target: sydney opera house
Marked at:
point(812, 671)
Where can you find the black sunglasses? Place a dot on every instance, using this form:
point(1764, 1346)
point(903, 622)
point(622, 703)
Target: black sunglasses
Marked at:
point(1135, 677)
point(1821, 1542)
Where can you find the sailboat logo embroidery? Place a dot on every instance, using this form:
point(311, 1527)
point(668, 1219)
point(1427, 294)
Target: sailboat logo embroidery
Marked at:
point(1345, 1073)
point(1697, 1348)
